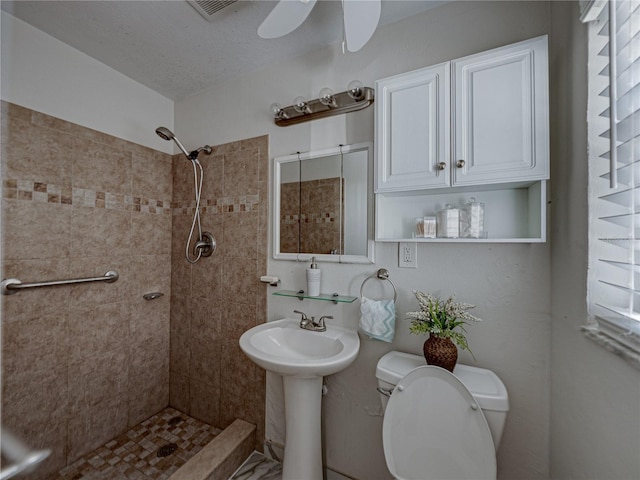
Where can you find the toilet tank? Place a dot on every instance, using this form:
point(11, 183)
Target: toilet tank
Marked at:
point(484, 385)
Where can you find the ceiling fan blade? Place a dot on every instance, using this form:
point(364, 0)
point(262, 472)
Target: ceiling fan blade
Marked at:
point(360, 21)
point(285, 17)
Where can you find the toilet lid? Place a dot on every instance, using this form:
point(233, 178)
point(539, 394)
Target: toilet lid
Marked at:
point(434, 429)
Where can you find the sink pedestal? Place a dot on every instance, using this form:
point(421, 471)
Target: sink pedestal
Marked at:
point(303, 444)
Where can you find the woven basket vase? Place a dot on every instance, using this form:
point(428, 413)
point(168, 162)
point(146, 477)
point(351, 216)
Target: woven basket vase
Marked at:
point(441, 352)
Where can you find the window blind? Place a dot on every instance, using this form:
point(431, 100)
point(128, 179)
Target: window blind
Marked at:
point(614, 171)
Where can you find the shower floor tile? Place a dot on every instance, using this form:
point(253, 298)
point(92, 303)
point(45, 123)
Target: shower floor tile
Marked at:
point(134, 454)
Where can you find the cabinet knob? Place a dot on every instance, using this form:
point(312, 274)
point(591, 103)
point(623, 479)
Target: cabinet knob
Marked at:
point(460, 164)
point(442, 166)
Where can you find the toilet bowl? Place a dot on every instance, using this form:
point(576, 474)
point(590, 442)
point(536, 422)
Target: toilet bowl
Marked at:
point(437, 424)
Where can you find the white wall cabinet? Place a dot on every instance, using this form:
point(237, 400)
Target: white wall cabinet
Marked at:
point(500, 115)
point(473, 127)
point(413, 136)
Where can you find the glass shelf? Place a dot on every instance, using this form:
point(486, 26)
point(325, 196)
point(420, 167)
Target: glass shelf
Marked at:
point(330, 297)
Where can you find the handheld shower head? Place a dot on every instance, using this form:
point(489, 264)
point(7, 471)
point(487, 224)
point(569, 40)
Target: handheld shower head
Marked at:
point(166, 134)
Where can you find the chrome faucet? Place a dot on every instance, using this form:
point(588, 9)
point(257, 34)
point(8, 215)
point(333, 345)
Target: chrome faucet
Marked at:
point(307, 323)
point(304, 321)
point(320, 326)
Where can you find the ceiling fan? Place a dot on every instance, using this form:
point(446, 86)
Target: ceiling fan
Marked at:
point(360, 19)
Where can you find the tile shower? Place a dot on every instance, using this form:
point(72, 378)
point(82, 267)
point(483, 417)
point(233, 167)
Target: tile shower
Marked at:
point(83, 364)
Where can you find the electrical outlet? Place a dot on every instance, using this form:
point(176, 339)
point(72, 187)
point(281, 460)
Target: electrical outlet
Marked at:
point(407, 255)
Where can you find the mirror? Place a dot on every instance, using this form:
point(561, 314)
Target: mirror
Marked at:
point(323, 205)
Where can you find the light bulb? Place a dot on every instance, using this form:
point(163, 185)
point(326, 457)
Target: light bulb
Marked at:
point(355, 90)
point(277, 110)
point(300, 104)
point(326, 97)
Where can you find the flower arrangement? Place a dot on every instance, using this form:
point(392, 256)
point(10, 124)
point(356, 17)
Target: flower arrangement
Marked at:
point(444, 319)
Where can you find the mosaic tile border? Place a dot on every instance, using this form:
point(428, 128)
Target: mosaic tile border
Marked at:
point(244, 203)
point(41, 192)
point(309, 218)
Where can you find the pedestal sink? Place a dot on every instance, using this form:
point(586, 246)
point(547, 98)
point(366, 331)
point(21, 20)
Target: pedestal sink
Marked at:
point(302, 357)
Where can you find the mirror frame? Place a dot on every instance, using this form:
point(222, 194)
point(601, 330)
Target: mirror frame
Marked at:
point(304, 257)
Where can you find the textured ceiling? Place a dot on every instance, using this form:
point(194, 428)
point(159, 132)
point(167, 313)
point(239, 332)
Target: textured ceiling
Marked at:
point(172, 49)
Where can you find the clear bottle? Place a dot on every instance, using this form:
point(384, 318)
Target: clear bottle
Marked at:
point(425, 227)
point(472, 219)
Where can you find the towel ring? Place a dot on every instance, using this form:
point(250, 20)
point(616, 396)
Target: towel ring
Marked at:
point(382, 274)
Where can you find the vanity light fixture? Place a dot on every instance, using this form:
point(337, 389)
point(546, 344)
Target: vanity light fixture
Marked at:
point(356, 97)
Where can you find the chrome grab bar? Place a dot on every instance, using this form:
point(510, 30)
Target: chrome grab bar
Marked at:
point(9, 286)
point(14, 450)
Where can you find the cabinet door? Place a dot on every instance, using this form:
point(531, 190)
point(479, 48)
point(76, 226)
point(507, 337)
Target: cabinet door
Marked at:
point(412, 130)
point(500, 109)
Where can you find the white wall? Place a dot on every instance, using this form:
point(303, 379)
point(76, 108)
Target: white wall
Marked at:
point(595, 423)
point(509, 283)
point(46, 75)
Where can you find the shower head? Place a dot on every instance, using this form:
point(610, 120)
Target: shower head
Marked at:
point(166, 134)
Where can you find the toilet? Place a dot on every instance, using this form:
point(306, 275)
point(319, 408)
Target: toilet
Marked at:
point(440, 425)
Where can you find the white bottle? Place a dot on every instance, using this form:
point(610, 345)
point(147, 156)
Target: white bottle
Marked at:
point(313, 279)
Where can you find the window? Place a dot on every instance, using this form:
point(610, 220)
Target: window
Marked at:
point(614, 174)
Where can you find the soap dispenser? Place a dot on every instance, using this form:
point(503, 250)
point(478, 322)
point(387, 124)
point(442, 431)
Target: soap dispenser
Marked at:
point(313, 279)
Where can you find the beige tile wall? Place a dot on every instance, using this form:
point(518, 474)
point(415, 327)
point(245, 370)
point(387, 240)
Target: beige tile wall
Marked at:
point(218, 298)
point(81, 364)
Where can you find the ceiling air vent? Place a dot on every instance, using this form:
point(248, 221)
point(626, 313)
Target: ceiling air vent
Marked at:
point(208, 8)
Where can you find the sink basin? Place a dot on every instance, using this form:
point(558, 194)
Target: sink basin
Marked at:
point(284, 348)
